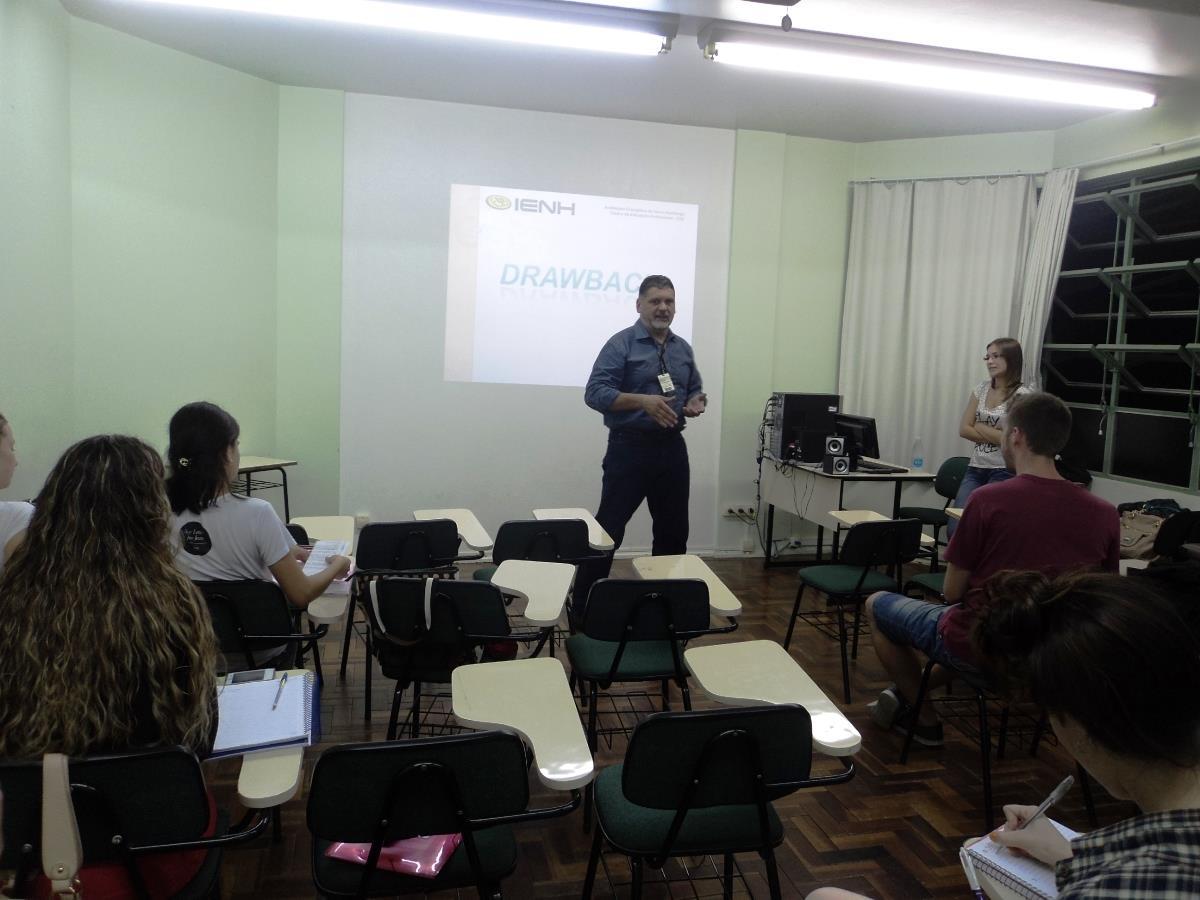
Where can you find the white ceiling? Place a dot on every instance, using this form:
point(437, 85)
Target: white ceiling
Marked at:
point(1155, 37)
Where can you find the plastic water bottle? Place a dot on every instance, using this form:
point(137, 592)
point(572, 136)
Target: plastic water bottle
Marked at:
point(918, 454)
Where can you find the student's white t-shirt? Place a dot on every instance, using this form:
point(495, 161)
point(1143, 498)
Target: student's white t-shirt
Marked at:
point(14, 518)
point(988, 455)
point(234, 539)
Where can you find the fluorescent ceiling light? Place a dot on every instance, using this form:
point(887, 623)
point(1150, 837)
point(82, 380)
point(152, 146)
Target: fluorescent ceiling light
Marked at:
point(941, 76)
point(546, 32)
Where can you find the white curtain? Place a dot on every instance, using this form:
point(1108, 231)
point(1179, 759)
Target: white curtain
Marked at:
point(934, 271)
point(1042, 264)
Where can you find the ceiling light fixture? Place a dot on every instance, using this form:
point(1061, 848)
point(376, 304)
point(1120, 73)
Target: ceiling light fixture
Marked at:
point(534, 23)
point(929, 68)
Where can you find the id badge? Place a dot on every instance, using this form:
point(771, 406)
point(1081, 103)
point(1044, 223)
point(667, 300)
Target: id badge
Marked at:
point(667, 385)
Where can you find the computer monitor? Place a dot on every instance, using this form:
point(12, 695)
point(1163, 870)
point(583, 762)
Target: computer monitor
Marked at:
point(859, 432)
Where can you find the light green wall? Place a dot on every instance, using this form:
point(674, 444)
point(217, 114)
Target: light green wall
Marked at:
point(758, 178)
point(812, 264)
point(309, 311)
point(787, 259)
point(175, 233)
point(1177, 116)
point(173, 170)
point(35, 235)
point(963, 155)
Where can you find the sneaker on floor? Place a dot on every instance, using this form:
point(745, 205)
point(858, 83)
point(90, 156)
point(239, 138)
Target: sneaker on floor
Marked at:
point(886, 710)
point(926, 735)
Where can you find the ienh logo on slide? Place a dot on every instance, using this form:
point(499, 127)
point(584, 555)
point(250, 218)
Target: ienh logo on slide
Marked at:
point(527, 204)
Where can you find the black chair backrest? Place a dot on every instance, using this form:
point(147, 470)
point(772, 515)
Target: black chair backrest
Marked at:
point(149, 797)
point(459, 610)
point(355, 786)
point(407, 546)
point(883, 543)
point(1175, 531)
point(646, 609)
point(299, 534)
point(543, 540)
point(241, 608)
point(950, 475)
point(718, 755)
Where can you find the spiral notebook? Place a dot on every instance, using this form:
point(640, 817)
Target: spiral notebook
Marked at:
point(247, 722)
point(1027, 877)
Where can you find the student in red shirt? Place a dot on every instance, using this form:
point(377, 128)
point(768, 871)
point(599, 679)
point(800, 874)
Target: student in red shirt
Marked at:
point(1036, 521)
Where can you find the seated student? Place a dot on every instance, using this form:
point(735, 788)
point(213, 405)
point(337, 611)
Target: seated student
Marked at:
point(93, 582)
point(14, 515)
point(1116, 664)
point(221, 536)
point(1035, 521)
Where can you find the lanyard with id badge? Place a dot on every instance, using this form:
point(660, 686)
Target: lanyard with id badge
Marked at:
point(664, 377)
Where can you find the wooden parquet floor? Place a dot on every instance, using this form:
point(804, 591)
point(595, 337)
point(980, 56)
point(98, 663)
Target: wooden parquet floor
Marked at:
point(891, 832)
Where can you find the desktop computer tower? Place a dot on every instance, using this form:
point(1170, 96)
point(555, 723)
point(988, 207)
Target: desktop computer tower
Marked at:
point(800, 423)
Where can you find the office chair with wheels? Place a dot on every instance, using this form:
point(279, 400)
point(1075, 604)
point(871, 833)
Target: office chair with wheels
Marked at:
point(475, 784)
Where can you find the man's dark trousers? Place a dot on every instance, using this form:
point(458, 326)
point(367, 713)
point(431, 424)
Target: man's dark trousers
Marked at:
point(650, 466)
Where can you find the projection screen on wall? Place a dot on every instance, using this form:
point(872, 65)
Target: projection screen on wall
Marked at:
point(521, 260)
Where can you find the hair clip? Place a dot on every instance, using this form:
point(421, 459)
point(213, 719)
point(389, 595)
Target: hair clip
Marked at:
point(184, 462)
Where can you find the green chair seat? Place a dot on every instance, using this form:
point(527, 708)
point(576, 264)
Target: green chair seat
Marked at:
point(640, 830)
point(497, 857)
point(926, 515)
point(841, 580)
point(933, 582)
point(592, 658)
point(484, 573)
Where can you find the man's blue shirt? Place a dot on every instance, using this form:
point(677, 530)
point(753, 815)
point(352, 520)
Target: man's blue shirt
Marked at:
point(629, 364)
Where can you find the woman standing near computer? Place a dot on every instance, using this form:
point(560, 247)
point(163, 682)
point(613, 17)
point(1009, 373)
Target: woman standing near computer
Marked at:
point(983, 418)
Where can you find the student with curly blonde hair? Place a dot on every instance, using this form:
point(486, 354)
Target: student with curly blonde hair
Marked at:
point(106, 645)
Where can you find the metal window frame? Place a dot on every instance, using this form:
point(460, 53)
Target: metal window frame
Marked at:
point(1124, 305)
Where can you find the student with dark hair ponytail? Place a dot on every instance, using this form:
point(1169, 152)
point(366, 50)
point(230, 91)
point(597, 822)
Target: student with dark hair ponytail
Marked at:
point(1116, 664)
point(223, 537)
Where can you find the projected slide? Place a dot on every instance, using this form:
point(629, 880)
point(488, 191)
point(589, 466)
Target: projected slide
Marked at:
point(538, 281)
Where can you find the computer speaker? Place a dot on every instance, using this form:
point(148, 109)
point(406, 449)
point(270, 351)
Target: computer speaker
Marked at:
point(835, 445)
point(836, 464)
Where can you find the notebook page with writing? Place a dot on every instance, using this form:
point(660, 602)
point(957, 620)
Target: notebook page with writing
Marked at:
point(247, 722)
point(1029, 877)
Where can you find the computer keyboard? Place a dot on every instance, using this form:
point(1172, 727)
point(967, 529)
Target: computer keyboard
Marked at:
point(878, 468)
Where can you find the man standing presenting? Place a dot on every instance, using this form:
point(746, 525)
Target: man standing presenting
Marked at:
point(1037, 521)
point(645, 382)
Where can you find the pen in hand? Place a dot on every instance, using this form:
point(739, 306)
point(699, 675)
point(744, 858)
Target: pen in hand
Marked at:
point(1055, 795)
point(279, 691)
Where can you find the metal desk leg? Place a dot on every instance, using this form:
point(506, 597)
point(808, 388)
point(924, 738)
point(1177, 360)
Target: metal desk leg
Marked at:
point(287, 512)
point(895, 499)
point(770, 534)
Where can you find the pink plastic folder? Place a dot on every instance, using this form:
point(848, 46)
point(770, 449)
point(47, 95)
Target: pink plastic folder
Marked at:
point(420, 856)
